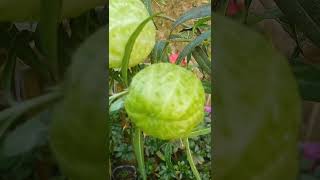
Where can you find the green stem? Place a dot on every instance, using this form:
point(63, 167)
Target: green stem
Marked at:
point(115, 96)
point(200, 132)
point(8, 116)
point(49, 22)
point(189, 156)
point(23, 107)
point(138, 150)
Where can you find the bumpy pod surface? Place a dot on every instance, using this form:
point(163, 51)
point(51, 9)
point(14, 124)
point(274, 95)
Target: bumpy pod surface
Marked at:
point(166, 101)
point(124, 17)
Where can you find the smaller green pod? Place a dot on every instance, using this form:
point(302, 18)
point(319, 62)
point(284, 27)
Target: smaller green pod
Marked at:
point(124, 17)
point(166, 101)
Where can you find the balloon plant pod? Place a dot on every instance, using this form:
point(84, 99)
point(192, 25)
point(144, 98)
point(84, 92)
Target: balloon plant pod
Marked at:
point(166, 101)
point(121, 26)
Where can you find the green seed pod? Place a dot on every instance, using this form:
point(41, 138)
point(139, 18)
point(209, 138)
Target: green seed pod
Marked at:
point(125, 17)
point(166, 101)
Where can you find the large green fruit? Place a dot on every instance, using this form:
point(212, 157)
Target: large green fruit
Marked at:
point(166, 101)
point(124, 18)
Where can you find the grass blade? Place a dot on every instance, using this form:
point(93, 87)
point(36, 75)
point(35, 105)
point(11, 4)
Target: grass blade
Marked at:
point(138, 150)
point(167, 155)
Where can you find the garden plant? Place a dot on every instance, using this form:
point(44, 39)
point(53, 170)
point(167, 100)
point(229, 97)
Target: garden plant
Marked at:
point(156, 97)
point(80, 101)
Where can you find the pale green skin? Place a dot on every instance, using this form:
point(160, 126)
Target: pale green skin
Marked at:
point(166, 101)
point(124, 18)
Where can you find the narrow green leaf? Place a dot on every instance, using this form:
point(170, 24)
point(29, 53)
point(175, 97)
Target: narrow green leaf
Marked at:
point(308, 78)
point(197, 12)
point(202, 59)
point(272, 13)
point(8, 77)
point(159, 51)
point(79, 128)
point(116, 96)
point(31, 134)
point(5, 125)
point(207, 87)
point(201, 62)
point(190, 47)
point(148, 4)
point(247, 4)
point(167, 155)
point(139, 151)
point(129, 47)
point(305, 14)
point(23, 107)
point(200, 132)
point(190, 159)
point(201, 23)
point(116, 105)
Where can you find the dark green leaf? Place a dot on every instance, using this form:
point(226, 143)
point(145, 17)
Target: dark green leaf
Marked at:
point(189, 48)
point(308, 78)
point(257, 107)
point(207, 87)
point(6, 123)
point(201, 61)
point(305, 14)
point(31, 134)
point(247, 4)
point(79, 128)
point(273, 13)
point(202, 52)
point(8, 77)
point(159, 51)
point(23, 107)
point(167, 154)
point(198, 12)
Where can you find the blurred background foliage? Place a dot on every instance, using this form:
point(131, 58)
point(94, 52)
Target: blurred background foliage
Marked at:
point(29, 89)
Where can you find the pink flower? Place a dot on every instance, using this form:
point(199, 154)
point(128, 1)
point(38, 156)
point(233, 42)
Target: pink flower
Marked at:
point(311, 151)
point(207, 109)
point(173, 58)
